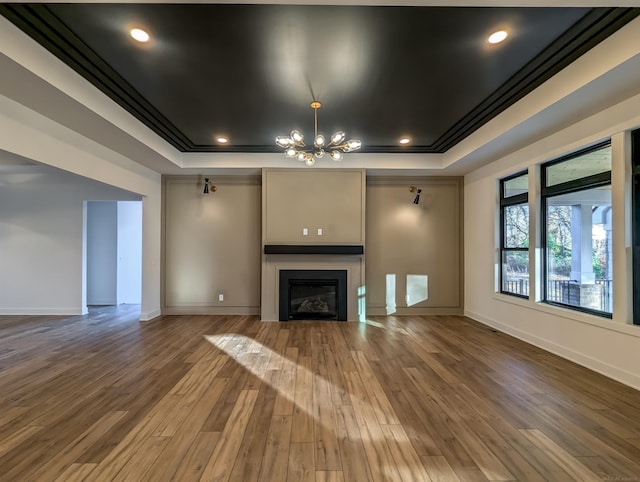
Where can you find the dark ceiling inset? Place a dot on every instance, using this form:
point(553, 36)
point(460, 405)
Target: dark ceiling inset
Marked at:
point(250, 71)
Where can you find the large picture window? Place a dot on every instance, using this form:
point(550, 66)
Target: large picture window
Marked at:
point(576, 197)
point(514, 235)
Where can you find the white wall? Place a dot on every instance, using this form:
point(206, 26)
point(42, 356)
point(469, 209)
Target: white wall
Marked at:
point(611, 347)
point(41, 238)
point(129, 263)
point(30, 135)
point(102, 250)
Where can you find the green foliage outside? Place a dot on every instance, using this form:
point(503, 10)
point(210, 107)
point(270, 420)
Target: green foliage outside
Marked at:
point(559, 245)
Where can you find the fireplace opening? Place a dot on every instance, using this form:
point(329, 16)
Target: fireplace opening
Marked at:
point(313, 295)
point(313, 299)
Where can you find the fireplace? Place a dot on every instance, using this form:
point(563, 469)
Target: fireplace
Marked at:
point(313, 295)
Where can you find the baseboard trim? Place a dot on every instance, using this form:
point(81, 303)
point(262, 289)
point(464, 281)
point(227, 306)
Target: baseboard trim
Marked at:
point(150, 315)
point(211, 310)
point(42, 311)
point(610, 371)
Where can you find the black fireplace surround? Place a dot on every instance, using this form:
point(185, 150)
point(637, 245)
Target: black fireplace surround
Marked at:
point(313, 295)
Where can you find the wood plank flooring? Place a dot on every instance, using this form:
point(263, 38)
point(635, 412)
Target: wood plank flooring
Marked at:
point(227, 398)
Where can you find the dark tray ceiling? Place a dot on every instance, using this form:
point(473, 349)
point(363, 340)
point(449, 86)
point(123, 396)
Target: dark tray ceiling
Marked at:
point(250, 71)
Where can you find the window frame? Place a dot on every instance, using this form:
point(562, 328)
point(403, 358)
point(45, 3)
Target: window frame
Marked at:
point(505, 202)
point(575, 185)
point(635, 223)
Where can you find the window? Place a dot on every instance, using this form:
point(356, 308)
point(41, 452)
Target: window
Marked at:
point(635, 156)
point(576, 197)
point(514, 235)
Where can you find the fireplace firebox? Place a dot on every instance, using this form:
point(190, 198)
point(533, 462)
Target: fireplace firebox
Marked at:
point(313, 295)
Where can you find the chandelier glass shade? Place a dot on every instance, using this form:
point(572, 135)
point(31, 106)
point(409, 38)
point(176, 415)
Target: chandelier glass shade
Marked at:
point(337, 145)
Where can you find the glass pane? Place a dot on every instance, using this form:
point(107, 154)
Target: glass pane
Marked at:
point(515, 186)
point(595, 162)
point(516, 226)
point(309, 299)
point(515, 272)
point(579, 249)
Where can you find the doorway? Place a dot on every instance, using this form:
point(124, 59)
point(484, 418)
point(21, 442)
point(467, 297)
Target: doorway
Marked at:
point(113, 252)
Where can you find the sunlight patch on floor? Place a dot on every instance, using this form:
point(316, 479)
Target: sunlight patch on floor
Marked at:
point(373, 421)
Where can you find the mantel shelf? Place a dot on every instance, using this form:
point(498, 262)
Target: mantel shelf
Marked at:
point(343, 249)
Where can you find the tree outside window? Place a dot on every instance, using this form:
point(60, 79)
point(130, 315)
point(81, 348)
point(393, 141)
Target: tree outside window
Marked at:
point(578, 244)
point(514, 242)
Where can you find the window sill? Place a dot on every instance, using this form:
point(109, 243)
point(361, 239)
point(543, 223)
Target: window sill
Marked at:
point(606, 323)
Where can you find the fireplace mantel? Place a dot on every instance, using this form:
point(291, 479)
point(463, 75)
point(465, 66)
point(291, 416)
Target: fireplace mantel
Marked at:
point(313, 249)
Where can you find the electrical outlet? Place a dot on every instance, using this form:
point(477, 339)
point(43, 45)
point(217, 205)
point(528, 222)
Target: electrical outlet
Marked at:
point(319, 231)
point(220, 296)
point(305, 232)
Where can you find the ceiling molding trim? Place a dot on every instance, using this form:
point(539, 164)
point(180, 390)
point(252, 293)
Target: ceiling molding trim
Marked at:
point(415, 180)
point(592, 29)
point(240, 179)
point(550, 108)
point(405, 3)
point(38, 22)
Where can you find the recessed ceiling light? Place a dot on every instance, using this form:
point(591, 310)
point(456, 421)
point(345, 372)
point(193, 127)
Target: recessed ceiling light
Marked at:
point(497, 37)
point(405, 140)
point(222, 139)
point(139, 35)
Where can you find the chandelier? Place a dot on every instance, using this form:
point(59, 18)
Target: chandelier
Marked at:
point(295, 148)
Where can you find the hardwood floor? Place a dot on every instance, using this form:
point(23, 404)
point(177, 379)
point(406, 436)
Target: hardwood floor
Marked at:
point(216, 398)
